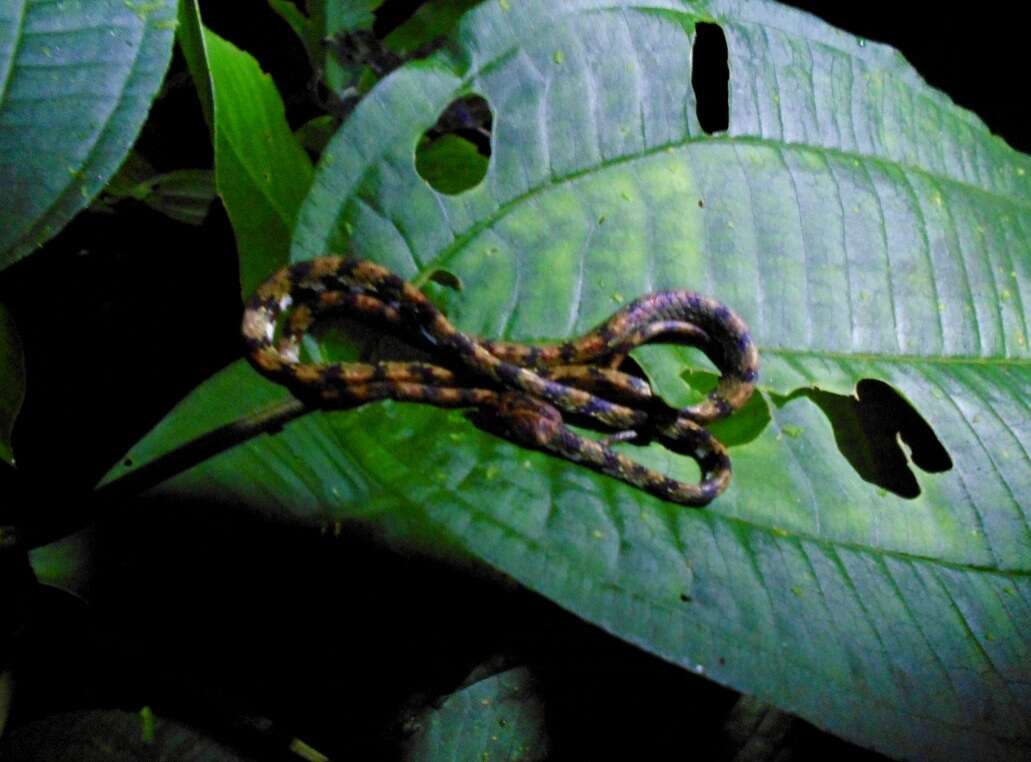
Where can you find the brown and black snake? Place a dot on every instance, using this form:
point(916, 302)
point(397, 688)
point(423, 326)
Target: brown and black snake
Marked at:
point(515, 390)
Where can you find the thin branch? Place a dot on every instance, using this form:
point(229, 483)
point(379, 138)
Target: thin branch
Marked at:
point(269, 420)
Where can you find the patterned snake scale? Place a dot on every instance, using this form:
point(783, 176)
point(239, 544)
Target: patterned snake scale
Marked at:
point(516, 390)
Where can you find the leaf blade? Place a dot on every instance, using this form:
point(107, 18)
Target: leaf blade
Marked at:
point(61, 136)
point(854, 251)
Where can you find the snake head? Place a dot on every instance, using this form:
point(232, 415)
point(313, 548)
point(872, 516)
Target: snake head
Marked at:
point(522, 419)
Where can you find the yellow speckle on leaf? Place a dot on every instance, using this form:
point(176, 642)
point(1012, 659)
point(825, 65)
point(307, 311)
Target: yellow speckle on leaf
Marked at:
point(558, 57)
point(505, 5)
point(597, 534)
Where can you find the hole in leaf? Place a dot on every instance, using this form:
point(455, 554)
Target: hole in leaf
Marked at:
point(745, 425)
point(453, 155)
point(710, 78)
point(870, 429)
point(447, 279)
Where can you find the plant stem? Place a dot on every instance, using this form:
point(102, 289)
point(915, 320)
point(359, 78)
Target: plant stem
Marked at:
point(102, 499)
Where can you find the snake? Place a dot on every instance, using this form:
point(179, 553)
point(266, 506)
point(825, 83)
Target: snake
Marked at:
point(518, 391)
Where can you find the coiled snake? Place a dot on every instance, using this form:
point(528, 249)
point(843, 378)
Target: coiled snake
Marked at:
point(516, 390)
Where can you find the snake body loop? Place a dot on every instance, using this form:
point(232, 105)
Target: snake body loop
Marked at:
point(518, 390)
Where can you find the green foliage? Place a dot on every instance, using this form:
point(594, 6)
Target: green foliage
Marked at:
point(113, 734)
point(450, 164)
point(261, 172)
point(12, 382)
point(863, 225)
point(61, 136)
point(183, 194)
point(433, 20)
point(500, 717)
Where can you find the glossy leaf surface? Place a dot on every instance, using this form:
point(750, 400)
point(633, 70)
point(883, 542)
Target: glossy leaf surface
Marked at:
point(498, 718)
point(261, 172)
point(862, 224)
point(76, 83)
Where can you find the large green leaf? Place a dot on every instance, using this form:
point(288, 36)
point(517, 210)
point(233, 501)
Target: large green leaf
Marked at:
point(76, 82)
point(863, 225)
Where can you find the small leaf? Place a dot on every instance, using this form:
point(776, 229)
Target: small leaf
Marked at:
point(498, 718)
point(12, 382)
point(334, 20)
point(300, 24)
point(66, 563)
point(433, 20)
point(314, 134)
point(62, 135)
point(111, 734)
point(183, 194)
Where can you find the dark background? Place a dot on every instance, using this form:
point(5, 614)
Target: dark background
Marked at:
point(224, 619)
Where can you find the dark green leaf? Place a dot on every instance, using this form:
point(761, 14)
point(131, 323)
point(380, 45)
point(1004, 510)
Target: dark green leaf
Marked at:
point(433, 19)
point(183, 194)
point(450, 164)
point(12, 382)
point(292, 15)
point(66, 564)
point(332, 20)
point(76, 82)
point(113, 736)
point(315, 133)
point(498, 718)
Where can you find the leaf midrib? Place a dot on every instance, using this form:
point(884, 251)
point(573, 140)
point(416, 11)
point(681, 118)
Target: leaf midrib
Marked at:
point(513, 203)
point(712, 514)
